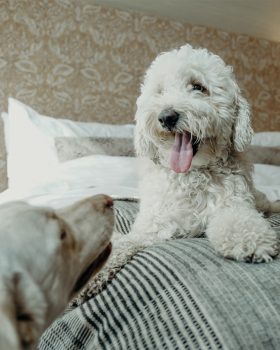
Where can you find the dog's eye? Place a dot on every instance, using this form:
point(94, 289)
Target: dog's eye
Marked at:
point(199, 87)
point(63, 234)
point(25, 317)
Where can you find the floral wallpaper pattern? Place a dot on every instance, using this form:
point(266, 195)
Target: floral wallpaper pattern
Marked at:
point(85, 62)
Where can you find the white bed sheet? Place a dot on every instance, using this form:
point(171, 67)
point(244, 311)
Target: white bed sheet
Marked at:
point(81, 178)
point(115, 176)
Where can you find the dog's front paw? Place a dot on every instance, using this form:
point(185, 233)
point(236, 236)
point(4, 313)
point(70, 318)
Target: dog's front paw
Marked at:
point(242, 237)
point(252, 247)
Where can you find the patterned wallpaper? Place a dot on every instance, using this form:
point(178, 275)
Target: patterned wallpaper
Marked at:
point(75, 59)
point(85, 62)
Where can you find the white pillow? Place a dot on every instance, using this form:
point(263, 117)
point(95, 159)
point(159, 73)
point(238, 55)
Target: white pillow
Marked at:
point(5, 119)
point(266, 138)
point(58, 127)
point(30, 144)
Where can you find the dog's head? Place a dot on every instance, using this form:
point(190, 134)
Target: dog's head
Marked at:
point(190, 110)
point(46, 257)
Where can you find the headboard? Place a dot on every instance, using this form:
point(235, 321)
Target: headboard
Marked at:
point(85, 62)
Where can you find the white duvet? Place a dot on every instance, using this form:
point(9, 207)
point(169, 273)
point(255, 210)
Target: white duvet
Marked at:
point(80, 178)
point(115, 176)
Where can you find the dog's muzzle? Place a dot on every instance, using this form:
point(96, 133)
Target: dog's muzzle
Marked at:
point(168, 119)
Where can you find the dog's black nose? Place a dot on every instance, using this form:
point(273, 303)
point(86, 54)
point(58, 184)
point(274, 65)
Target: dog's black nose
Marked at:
point(168, 119)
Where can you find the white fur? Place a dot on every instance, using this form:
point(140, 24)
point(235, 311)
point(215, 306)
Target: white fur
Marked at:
point(42, 254)
point(216, 195)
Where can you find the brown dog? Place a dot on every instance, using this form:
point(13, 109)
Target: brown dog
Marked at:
point(46, 257)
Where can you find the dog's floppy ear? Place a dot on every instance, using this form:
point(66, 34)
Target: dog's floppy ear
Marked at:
point(29, 308)
point(242, 130)
point(9, 338)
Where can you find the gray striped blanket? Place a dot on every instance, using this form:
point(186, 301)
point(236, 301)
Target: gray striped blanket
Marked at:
point(176, 295)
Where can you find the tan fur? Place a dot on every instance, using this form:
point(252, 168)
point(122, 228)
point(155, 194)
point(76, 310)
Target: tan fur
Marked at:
point(42, 255)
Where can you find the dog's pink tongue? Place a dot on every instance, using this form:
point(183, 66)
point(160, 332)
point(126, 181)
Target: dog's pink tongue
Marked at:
point(181, 153)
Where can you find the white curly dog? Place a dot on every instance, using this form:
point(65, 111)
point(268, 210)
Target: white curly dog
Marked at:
point(192, 126)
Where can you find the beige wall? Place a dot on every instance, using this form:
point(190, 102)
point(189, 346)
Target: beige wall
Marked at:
point(85, 62)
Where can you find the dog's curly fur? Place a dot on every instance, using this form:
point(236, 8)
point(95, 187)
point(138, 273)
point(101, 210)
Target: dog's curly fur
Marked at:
point(216, 195)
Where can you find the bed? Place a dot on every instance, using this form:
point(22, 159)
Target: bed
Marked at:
point(176, 294)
